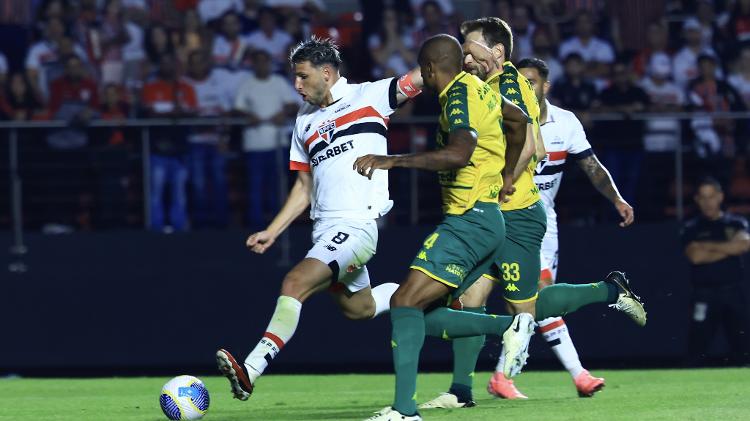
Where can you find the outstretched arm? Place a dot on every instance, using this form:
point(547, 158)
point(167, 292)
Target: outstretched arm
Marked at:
point(409, 85)
point(296, 203)
point(455, 154)
point(602, 181)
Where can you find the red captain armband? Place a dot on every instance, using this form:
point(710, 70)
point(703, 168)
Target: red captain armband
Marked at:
point(299, 166)
point(406, 86)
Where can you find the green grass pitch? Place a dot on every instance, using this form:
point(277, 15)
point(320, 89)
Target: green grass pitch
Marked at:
point(700, 395)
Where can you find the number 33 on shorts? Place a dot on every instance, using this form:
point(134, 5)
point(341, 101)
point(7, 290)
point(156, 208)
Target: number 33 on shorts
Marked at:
point(511, 271)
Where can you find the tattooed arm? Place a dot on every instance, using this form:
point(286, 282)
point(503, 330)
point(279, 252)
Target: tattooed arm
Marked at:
point(602, 181)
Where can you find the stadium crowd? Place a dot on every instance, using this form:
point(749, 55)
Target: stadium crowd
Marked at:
point(83, 60)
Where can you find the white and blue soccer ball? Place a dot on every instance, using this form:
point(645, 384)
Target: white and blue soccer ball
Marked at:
point(184, 398)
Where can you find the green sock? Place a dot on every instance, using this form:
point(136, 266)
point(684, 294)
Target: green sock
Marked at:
point(450, 324)
point(561, 299)
point(465, 354)
point(407, 337)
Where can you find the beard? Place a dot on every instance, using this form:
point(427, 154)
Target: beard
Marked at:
point(476, 70)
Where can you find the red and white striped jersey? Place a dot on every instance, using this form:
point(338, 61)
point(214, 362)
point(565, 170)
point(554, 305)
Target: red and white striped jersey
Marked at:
point(564, 139)
point(327, 141)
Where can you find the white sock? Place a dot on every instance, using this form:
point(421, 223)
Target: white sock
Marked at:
point(555, 332)
point(501, 360)
point(382, 295)
point(279, 331)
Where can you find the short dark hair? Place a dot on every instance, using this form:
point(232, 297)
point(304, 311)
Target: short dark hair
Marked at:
point(535, 63)
point(494, 31)
point(709, 181)
point(318, 51)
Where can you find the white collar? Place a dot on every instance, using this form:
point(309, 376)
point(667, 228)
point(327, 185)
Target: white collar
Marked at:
point(550, 117)
point(339, 89)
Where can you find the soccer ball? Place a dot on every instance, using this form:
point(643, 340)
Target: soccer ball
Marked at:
point(184, 398)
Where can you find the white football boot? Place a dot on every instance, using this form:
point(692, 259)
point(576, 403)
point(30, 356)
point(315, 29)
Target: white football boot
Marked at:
point(516, 344)
point(446, 400)
point(627, 301)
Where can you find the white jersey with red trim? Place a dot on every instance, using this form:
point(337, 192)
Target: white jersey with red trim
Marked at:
point(327, 141)
point(563, 138)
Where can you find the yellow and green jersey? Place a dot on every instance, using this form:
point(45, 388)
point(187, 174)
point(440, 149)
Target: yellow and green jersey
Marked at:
point(468, 103)
point(517, 89)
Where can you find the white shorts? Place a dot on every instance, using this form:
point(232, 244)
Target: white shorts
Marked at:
point(345, 245)
point(549, 253)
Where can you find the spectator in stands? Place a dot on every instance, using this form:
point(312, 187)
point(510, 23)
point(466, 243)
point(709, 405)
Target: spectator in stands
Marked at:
point(573, 91)
point(168, 96)
point(597, 53)
point(214, 92)
point(686, 60)
point(705, 18)
point(44, 54)
point(53, 9)
point(133, 53)
point(392, 48)
point(193, 36)
point(544, 50)
point(434, 22)
point(269, 37)
point(229, 47)
point(523, 32)
point(18, 101)
point(157, 45)
point(658, 43)
point(267, 100)
point(112, 37)
point(706, 93)
point(662, 135)
point(73, 98)
point(622, 140)
point(740, 77)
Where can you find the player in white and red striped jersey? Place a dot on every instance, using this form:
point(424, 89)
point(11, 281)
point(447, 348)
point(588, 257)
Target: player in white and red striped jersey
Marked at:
point(339, 123)
point(564, 138)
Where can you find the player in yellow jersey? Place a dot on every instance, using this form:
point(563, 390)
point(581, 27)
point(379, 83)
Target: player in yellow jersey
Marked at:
point(471, 163)
point(489, 42)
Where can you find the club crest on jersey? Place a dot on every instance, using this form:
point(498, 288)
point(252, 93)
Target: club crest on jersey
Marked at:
point(326, 129)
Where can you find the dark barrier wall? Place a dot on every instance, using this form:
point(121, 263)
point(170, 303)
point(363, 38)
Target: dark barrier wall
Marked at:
point(135, 301)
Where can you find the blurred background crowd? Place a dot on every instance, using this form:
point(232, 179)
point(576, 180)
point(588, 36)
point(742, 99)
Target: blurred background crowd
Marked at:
point(81, 61)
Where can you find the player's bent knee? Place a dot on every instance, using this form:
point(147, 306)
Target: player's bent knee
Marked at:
point(418, 291)
point(297, 286)
point(363, 313)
